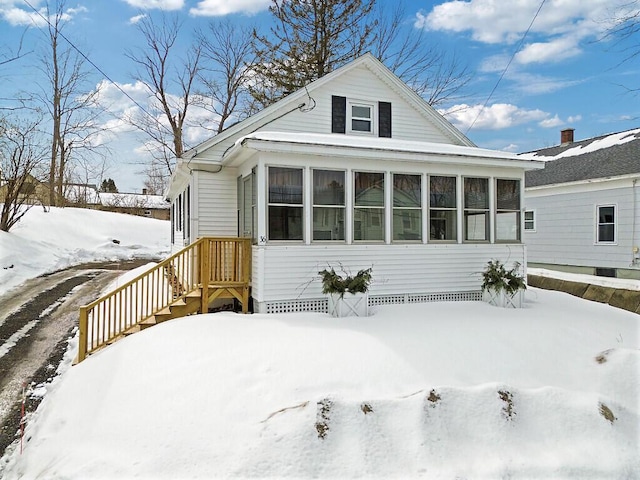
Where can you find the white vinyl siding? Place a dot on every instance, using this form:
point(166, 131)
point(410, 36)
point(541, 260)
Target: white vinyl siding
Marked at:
point(397, 269)
point(217, 204)
point(566, 228)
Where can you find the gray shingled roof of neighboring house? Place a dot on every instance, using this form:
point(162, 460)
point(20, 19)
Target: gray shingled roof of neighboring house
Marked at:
point(619, 155)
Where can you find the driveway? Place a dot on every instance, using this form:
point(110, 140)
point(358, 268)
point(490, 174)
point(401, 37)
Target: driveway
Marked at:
point(36, 322)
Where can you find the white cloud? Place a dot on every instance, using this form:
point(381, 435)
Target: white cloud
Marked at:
point(16, 16)
point(136, 19)
point(556, 33)
point(574, 119)
point(156, 4)
point(495, 117)
point(551, 122)
point(552, 51)
point(214, 8)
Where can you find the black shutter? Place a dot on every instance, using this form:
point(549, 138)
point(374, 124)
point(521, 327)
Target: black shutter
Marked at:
point(384, 119)
point(338, 114)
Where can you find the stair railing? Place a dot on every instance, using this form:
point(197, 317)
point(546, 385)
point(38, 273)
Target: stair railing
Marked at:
point(111, 316)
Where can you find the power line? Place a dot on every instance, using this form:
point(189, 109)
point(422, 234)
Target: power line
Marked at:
point(55, 27)
point(506, 68)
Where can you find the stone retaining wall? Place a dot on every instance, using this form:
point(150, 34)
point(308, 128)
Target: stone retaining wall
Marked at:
point(616, 297)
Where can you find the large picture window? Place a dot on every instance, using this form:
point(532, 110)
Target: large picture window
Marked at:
point(407, 207)
point(442, 208)
point(285, 203)
point(606, 224)
point(476, 209)
point(368, 211)
point(328, 205)
point(507, 210)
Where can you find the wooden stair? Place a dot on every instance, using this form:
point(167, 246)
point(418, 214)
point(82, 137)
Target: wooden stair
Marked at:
point(179, 308)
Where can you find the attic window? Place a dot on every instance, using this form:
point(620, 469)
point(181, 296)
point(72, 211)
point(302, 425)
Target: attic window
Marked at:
point(361, 117)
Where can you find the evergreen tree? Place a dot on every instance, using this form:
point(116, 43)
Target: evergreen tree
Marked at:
point(310, 39)
point(108, 186)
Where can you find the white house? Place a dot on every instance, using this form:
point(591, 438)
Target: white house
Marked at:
point(583, 209)
point(354, 171)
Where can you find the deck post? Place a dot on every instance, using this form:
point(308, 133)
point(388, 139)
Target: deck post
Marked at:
point(83, 325)
point(204, 251)
point(246, 273)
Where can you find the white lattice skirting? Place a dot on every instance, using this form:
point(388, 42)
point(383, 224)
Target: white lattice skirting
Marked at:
point(321, 304)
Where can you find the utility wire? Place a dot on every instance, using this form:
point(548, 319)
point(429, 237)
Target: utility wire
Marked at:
point(96, 66)
point(506, 68)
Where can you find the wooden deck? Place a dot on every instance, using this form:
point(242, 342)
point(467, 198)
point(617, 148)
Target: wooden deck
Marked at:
point(186, 282)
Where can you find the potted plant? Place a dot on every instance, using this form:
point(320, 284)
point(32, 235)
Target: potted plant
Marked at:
point(347, 295)
point(502, 287)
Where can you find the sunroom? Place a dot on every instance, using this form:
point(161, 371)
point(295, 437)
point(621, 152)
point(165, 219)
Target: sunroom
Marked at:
point(425, 217)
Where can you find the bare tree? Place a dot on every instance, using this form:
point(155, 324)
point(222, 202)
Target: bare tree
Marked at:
point(226, 71)
point(70, 100)
point(431, 71)
point(22, 154)
point(162, 73)
point(624, 30)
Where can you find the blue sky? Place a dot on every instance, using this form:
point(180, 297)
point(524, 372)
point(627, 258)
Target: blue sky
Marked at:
point(563, 75)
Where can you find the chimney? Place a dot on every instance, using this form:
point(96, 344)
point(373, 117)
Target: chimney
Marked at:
point(566, 136)
point(144, 191)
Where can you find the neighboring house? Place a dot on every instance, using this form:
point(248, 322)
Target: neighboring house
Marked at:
point(353, 171)
point(582, 210)
point(81, 195)
point(152, 206)
point(33, 191)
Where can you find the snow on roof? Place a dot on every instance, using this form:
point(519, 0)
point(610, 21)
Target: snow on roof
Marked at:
point(585, 146)
point(133, 200)
point(604, 157)
point(376, 143)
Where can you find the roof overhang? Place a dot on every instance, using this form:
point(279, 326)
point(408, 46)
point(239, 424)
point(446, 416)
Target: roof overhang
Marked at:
point(348, 146)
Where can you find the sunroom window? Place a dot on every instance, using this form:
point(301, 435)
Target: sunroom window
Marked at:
point(368, 211)
point(285, 203)
point(476, 209)
point(328, 205)
point(442, 208)
point(407, 207)
point(507, 210)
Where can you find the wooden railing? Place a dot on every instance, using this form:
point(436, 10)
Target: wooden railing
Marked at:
point(205, 267)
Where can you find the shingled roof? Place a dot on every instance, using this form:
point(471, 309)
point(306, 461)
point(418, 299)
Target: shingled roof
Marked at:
point(606, 156)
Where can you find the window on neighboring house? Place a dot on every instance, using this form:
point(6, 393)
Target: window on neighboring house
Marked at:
point(407, 207)
point(328, 205)
point(507, 210)
point(476, 209)
point(361, 117)
point(442, 208)
point(606, 224)
point(530, 220)
point(285, 203)
point(368, 211)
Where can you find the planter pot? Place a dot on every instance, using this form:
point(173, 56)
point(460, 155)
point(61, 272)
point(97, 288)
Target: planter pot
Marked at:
point(503, 299)
point(351, 305)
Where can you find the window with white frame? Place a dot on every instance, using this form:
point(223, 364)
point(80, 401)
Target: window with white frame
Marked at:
point(361, 117)
point(369, 205)
point(530, 220)
point(606, 228)
point(328, 205)
point(285, 208)
point(476, 209)
point(507, 210)
point(443, 210)
point(407, 207)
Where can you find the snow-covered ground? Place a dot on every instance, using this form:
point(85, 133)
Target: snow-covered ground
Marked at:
point(439, 390)
point(44, 242)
